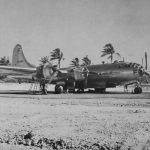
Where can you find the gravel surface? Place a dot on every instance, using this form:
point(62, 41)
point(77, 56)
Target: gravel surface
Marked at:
point(75, 121)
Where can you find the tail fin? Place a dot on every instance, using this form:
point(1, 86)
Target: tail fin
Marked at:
point(18, 58)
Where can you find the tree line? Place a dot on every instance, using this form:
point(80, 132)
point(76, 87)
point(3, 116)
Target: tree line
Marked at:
point(57, 55)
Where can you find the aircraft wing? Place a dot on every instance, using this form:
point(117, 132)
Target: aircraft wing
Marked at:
point(16, 72)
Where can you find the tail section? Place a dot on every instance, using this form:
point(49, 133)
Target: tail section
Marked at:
point(18, 58)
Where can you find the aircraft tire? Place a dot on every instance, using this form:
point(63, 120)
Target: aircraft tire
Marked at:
point(100, 90)
point(137, 90)
point(58, 89)
point(140, 89)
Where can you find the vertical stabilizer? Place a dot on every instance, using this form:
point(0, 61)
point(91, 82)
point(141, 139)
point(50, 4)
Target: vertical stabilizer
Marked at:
point(18, 58)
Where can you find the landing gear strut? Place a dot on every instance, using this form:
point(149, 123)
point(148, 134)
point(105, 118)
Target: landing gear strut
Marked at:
point(100, 90)
point(43, 87)
point(137, 89)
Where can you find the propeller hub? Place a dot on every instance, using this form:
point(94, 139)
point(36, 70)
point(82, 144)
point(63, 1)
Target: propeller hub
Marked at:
point(48, 71)
point(141, 71)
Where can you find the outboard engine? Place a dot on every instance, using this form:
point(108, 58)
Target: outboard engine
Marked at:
point(48, 71)
point(44, 72)
point(77, 80)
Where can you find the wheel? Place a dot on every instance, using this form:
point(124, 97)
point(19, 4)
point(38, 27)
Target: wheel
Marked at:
point(58, 89)
point(138, 90)
point(100, 90)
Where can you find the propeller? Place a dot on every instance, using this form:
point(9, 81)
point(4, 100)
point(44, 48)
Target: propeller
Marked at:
point(145, 60)
point(50, 72)
point(45, 72)
point(146, 65)
point(138, 68)
point(147, 73)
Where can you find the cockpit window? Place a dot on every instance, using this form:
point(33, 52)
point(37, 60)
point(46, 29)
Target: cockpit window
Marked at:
point(134, 65)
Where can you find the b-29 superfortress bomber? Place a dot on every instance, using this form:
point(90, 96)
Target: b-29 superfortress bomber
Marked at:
point(99, 77)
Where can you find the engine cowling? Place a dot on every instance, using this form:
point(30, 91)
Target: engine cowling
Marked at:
point(48, 71)
point(44, 72)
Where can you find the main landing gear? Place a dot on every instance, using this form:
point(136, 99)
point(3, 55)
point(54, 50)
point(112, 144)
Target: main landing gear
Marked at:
point(137, 90)
point(58, 89)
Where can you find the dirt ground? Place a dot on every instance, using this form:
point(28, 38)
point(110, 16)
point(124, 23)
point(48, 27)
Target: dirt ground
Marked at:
point(75, 121)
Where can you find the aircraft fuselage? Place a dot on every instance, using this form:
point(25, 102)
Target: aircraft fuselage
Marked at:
point(110, 75)
point(104, 75)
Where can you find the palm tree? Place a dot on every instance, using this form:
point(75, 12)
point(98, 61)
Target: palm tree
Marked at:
point(4, 61)
point(75, 62)
point(86, 61)
point(44, 60)
point(57, 54)
point(109, 50)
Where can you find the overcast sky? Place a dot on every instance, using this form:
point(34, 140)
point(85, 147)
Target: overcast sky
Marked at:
point(77, 27)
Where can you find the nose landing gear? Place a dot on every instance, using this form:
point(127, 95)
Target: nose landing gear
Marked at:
point(137, 87)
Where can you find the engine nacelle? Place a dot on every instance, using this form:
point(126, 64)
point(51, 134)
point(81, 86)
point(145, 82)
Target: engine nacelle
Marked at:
point(70, 83)
point(44, 72)
point(78, 79)
point(48, 71)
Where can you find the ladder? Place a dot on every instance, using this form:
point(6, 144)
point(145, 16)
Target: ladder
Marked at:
point(34, 88)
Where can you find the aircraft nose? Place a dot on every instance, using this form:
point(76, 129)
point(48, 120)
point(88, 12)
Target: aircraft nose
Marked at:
point(137, 68)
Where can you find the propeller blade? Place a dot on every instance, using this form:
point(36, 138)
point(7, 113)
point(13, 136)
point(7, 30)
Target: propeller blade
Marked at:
point(52, 77)
point(147, 73)
point(145, 60)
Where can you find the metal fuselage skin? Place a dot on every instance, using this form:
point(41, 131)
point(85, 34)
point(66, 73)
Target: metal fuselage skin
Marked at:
point(109, 75)
point(95, 76)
